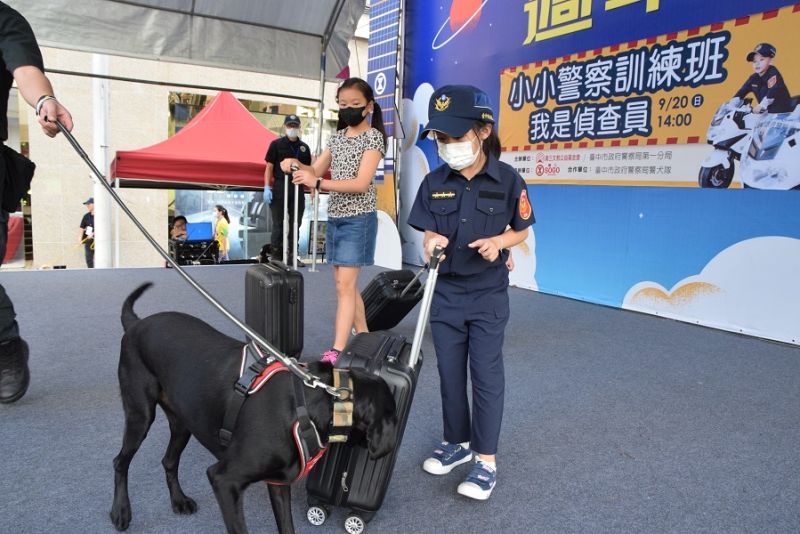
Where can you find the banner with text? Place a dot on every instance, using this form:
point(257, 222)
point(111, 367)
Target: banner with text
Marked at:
point(645, 112)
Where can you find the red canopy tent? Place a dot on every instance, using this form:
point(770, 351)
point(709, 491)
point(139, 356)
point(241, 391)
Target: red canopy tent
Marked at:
point(223, 146)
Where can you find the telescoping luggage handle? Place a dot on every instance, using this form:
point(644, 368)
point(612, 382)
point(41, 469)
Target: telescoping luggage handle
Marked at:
point(308, 379)
point(425, 308)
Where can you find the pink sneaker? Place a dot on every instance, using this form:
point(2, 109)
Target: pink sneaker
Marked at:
point(330, 356)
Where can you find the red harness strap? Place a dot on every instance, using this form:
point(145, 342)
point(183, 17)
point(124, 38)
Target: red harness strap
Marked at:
point(307, 462)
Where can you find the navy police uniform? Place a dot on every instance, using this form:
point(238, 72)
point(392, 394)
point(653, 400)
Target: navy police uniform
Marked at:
point(770, 85)
point(470, 307)
point(279, 150)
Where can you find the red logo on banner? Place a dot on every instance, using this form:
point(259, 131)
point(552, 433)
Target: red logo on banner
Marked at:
point(549, 169)
point(525, 210)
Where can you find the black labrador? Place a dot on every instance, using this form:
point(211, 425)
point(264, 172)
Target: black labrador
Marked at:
point(182, 364)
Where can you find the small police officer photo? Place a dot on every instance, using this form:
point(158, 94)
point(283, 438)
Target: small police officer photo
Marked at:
point(475, 207)
point(766, 83)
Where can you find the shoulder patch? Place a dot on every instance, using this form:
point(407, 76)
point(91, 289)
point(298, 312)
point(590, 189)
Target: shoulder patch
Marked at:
point(525, 210)
point(772, 81)
point(302, 148)
point(438, 195)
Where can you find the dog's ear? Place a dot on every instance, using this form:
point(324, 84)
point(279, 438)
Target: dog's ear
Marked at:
point(374, 412)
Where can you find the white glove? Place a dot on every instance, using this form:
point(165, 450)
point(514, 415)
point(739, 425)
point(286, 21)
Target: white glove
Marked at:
point(735, 101)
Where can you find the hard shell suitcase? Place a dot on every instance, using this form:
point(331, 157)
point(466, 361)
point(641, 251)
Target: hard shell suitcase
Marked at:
point(274, 305)
point(389, 297)
point(346, 476)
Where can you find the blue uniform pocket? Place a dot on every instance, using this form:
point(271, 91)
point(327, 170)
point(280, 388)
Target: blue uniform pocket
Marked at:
point(446, 214)
point(490, 218)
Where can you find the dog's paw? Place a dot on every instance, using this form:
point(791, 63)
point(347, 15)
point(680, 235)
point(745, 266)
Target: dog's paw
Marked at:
point(184, 506)
point(121, 517)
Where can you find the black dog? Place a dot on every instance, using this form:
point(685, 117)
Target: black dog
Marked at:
point(185, 366)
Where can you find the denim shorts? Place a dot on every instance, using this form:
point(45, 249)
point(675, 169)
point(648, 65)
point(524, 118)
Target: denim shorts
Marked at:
point(350, 241)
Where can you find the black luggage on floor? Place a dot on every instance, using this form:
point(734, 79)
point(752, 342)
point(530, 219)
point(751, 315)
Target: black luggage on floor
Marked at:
point(346, 476)
point(388, 299)
point(274, 305)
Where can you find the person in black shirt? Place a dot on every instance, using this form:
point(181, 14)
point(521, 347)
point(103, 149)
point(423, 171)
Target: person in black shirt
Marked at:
point(766, 83)
point(20, 61)
point(87, 232)
point(288, 146)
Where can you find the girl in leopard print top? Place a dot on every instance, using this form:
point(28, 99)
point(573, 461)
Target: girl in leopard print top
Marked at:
point(353, 155)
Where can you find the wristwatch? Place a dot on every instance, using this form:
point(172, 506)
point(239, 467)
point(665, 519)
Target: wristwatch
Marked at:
point(319, 183)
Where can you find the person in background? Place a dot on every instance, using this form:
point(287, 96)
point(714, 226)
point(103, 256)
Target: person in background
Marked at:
point(20, 61)
point(475, 208)
point(353, 155)
point(178, 230)
point(86, 233)
point(221, 223)
point(288, 146)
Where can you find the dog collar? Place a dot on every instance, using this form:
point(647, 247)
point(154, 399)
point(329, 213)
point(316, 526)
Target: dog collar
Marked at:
point(342, 420)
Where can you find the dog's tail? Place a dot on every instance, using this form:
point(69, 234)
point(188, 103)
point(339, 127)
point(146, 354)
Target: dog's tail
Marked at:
point(128, 317)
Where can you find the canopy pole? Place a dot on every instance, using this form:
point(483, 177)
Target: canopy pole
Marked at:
point(315, 218)
point(102, 204)
point(322, 67)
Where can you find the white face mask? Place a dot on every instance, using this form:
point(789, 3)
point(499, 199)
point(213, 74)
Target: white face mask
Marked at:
point(293, 132)
point(458, 155)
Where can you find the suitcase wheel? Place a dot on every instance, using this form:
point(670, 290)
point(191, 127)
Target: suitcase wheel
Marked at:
point(317, 515)
point(354, 524)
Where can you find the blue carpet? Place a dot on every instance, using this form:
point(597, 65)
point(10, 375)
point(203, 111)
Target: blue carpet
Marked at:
point(615, 421)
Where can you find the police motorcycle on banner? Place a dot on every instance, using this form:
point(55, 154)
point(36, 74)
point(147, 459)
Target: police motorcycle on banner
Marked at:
point(772, 158)
point(729, 134)
point(766, 144)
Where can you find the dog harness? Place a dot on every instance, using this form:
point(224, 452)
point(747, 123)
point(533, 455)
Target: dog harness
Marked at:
point(306, 437)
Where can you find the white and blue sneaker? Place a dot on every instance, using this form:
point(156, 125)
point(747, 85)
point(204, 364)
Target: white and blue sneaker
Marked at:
point(480, 481)
point(446, 457)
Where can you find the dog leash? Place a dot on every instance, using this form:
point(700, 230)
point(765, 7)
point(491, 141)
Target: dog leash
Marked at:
point(308, 379)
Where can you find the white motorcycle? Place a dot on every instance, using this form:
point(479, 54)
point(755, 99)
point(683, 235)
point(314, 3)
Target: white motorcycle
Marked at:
point(730, 133)
point(772, 157)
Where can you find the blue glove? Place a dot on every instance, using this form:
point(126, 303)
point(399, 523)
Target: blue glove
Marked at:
point(268, 195)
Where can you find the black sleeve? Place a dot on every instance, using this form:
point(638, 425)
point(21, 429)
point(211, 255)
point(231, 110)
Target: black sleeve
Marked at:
point(84, 222)
point(272, 153)
point(18, 45)
point(305, 155)
point(741, 93)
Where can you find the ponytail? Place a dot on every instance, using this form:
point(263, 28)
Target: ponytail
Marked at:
point(223, 211)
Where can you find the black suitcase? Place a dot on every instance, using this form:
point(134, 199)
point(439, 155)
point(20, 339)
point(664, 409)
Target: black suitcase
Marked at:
point(389, 297)
point(346, 476)
point(274, 305)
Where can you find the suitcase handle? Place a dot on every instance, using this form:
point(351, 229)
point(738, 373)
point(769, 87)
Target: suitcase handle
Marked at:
point(411, 283)
point(425, 308)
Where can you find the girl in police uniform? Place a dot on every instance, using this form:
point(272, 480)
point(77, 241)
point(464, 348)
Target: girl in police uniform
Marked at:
point(474, 207)
point(353, 154)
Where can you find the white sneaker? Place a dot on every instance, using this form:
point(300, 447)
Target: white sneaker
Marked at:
point(479, 483)
point(446, 458)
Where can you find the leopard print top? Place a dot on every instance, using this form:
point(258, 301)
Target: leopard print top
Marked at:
point(346, 154)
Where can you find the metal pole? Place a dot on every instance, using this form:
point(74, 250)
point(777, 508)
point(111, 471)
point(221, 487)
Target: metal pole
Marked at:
point(102, 204)
point(315, 219)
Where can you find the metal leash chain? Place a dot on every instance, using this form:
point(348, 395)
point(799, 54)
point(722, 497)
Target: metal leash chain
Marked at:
point(308, 379)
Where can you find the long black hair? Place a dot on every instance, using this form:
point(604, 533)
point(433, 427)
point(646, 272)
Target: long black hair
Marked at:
point(364, 88)
point(223, 211)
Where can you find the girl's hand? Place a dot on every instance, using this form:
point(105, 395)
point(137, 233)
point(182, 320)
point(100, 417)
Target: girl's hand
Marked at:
point(286, 165)
point(487, 248)
point(435, 241)
point(303, 177)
